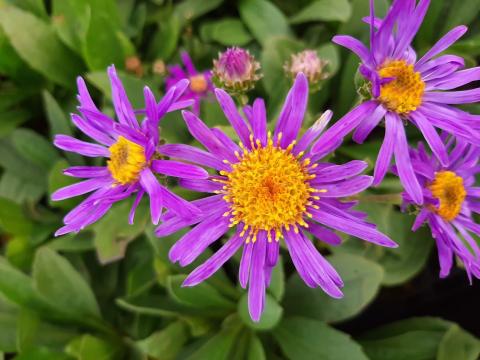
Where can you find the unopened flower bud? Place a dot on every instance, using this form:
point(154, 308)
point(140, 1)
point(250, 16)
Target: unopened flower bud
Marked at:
point(309, 63)
point(235, 70)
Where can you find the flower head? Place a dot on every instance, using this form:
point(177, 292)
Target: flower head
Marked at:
point(450, 198)
point(405, 90)
point(309, 63)
point(236, 70)
point(269, 188)
point(131, 150)
point(200, 82)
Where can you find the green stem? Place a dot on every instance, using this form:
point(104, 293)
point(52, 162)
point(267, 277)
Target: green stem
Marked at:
point(394, 199)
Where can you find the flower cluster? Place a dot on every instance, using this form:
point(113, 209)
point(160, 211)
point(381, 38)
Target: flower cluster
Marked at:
point(273, 187)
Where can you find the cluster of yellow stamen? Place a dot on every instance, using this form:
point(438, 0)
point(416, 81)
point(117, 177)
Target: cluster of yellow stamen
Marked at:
point(127, 159)
point(268, 189)
point(449, 190)
point(405, 92)
point(198, 83)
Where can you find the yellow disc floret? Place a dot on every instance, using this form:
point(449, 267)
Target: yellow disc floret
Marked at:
point(449, 190)
point(198, 83)
point(405, 92)
point(268, 189)
point(127, 159)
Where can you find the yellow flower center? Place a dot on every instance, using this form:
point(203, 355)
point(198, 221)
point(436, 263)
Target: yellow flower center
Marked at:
point(127, 159)
point(198, 83)
point(268, 189)
point(449, 190)
point(404, 93)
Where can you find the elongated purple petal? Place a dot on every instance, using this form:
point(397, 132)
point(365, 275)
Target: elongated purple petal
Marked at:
point(122, 105)
point(347, 187)
point(178, 169)
point(333, 173)
point(229, 109)
point(150, 184)
point(91, 130)
point(430, 134)
point(87, 171)
point(323, 234)
point(178, 205)
point(259, 121)
point(215, 262)
point(80, 188)
point(370, 123)
point(71, 144)
point(192, 154)
point(353, 45)
point(256, 288)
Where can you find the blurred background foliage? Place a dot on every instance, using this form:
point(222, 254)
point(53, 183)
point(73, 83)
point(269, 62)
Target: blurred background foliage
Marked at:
point(110, 291)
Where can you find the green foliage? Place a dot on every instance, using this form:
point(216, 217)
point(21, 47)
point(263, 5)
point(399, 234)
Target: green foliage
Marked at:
point(110, 292)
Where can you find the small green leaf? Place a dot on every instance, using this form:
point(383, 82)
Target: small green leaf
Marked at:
point(305, 339)
point(219, 346)
point(189, 10)
point(458, 344)
point(227, 31)
point(263, 19)
point(35, 148)
point(42, 353)
point(255, 349)
point(71, 19)
point(38, 45)
point(271, 315)
point(166, 343)
point(58, 281)
point(324, 10)
point(13, 219)
point(362, 280)
point(165, 41)
point(89, 347)
point(113, 232)
point(8, 328)
point(102, 45)
point(58, 122)
point(202, 295)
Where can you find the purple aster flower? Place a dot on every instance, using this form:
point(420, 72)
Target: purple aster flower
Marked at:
point(450, 197)
point(268, 188)
point(404, 89)
point(236, 70)
point(200, 82)
point(131, 150)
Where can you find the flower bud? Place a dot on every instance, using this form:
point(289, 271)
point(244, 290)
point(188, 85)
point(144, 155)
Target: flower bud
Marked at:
point(235, 70)
point(309, 63)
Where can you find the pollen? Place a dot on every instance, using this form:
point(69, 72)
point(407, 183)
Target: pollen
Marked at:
point(198, 83)
point(268, 189)
point(127, 159)
point(449, 190)
point(404, 93)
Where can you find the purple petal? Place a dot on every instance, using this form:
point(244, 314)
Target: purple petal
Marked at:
point(187, 61)
point(323, 234)
point(86, 171)
point(229, 109)
point(178, 169)
point(353, 45)
point(138, 198)
point(361, 231)
point(71, 144)
point(333, 173)
point(430, 134)
point(453, 97)
point(244, 270)
point(178, 205)
point(84, 97)
point(444, 43)
point(150, 184)
point(215, 262)
point(190, 153)
point(259, 121)
point(347, 187)
point(200, 185)
point(256, 288)
point(91, 130)
point(404, 166)
point(370, 123)
point(80, 188)
point(122, 105)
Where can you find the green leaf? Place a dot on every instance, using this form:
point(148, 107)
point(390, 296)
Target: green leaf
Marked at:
point(413, 339)
point(42, 353)
point(324, 10)
point(458, 344)
point(33, 333)
point(189, 10)
point(305, 339)
point(8, 328)
point(57, 180)
point(112, 233)
point(89, 347)
point(18, 288)
point(102, 45)
point(227, 31)
point(38, 45)
point(35, 148)
point(263, 19)
point(271, 315)
point(255, 349)
point(166, 343)
point(13, 219)
point(409, 258)
point(329, 52)
point(202, 295)
point(58, 281)
point(219, 346)
point(165, 40)
point(11, 119)
point(277, 282)
point(362, 280)
point(71, 19)
point(460, 12)
point(58, 122)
